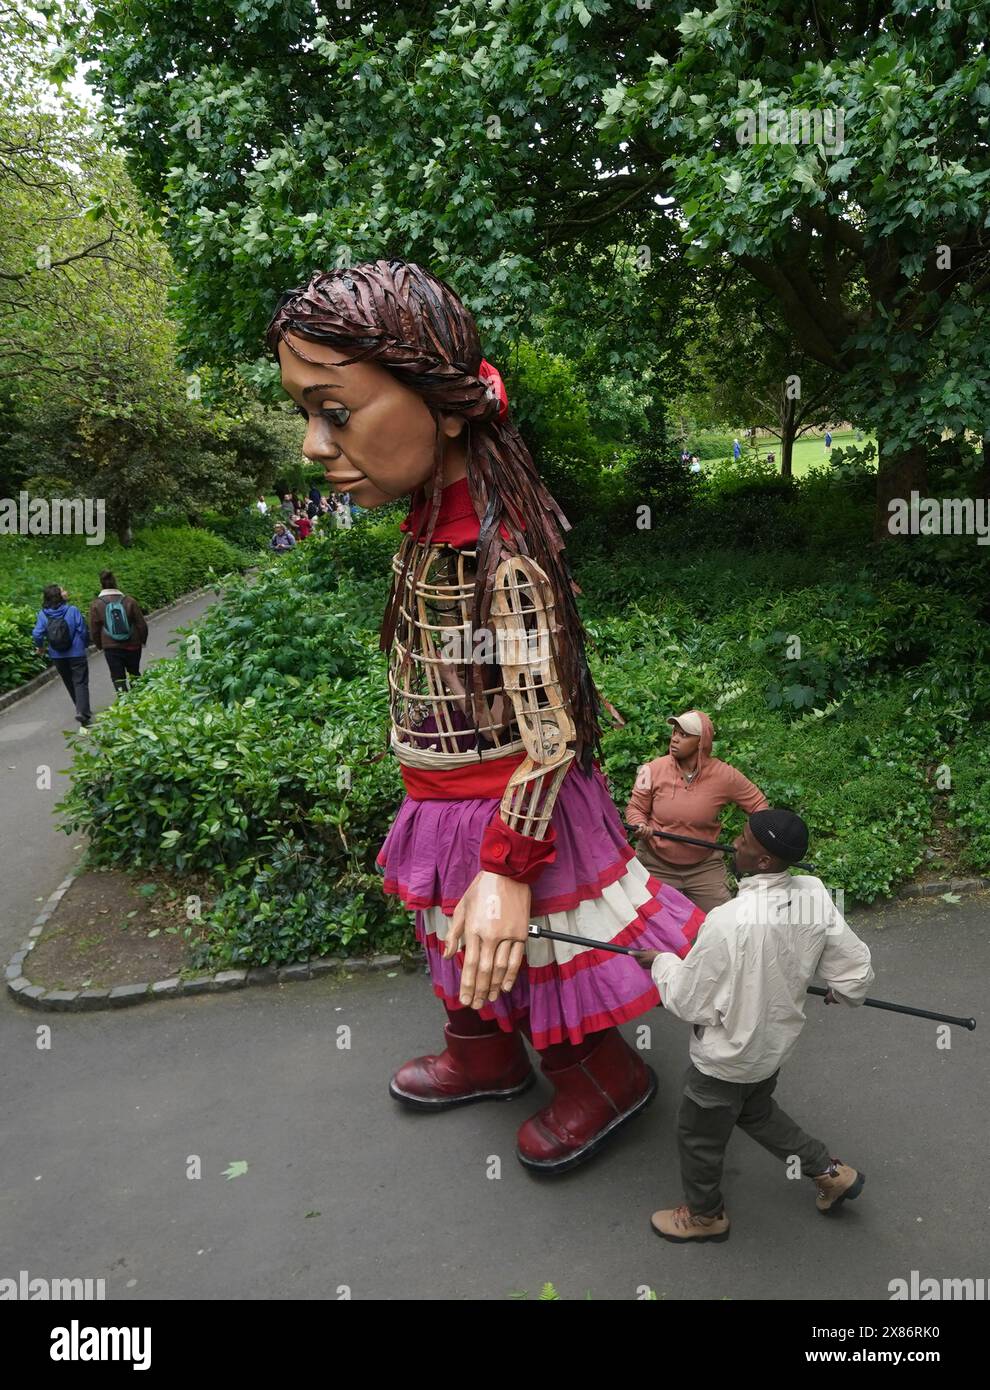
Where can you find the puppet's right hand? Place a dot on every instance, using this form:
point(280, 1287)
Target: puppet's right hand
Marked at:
point(493, 919)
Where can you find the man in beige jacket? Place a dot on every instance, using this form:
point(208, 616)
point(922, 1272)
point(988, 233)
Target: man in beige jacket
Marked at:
point(743, 986)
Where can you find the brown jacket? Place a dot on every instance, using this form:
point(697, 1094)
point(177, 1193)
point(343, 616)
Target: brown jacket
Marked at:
point(662, 800)
point(97, 611)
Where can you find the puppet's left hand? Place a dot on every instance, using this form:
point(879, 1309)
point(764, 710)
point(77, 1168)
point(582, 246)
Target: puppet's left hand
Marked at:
point(493, 919)
point(645, 958)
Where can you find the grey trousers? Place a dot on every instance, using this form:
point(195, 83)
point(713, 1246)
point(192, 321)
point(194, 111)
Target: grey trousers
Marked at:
point(710, 1110)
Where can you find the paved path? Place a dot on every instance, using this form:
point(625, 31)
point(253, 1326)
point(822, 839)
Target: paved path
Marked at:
point(36, 855)
point(345, 1190)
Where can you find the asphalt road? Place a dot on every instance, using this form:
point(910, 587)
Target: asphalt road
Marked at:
point(345, 1194)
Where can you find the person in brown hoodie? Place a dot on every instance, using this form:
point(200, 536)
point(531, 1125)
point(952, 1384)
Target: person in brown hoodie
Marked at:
point(683, 793)
point(123, 652)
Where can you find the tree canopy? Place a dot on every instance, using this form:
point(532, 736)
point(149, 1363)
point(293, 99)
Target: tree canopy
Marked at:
point(835, 152)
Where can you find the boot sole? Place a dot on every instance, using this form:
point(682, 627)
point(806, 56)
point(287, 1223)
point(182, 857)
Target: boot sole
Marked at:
point(563, 1165)
point(850, 1195)
point(452, 1102)
point(691, 1240)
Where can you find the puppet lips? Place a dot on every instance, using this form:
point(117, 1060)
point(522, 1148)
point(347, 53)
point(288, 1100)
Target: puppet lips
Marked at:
point(345, 479)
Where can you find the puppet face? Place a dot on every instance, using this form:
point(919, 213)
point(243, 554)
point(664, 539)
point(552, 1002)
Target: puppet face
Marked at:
point(373, 436)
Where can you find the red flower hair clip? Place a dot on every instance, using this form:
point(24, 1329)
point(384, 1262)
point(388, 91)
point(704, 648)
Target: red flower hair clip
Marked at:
point(495, 387)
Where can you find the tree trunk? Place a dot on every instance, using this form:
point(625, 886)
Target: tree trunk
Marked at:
point(124, 533)
point(898, 475)
point(788, 429)
point(983, 480)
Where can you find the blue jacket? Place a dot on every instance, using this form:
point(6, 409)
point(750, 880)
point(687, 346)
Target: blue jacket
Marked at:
point(77, 626)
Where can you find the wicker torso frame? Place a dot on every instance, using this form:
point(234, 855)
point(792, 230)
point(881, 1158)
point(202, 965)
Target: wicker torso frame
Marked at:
point(439, 720)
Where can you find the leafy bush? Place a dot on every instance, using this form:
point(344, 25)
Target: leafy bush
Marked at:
point(18, 662)
point(969, 801)
point(246, 530)
point(160, 567)
point(260, 762)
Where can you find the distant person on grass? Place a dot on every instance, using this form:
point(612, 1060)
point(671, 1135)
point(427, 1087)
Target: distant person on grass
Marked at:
point(736, 450)
point(828, 439)
point(62, 628)
point(119, 629)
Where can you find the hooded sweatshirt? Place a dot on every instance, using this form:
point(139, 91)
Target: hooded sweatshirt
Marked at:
point(664, 801)
point(77, 626)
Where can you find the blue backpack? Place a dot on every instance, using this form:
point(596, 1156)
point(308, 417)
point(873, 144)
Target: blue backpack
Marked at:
point(115, 620)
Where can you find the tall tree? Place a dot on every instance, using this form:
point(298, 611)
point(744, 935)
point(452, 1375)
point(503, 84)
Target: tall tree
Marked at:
point(836, 152)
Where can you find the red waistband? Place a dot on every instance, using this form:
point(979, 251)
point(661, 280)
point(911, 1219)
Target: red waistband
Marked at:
point(482, 779)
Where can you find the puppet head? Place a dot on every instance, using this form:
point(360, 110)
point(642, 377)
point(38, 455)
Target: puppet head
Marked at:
point(425, 408)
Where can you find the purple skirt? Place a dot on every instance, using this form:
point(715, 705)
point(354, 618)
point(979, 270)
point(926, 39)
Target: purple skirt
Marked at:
point(595, 888)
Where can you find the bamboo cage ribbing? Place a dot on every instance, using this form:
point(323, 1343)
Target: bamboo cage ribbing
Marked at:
point(432, 663)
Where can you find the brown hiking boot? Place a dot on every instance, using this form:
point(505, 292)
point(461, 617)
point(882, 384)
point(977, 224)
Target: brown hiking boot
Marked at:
point(837, 1184)
point(680, 1225)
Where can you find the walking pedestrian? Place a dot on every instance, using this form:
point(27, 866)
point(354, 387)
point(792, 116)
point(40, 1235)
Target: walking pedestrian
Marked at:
point(743, 986)
point(62, 629)
point(119, 629)
point(684, 792)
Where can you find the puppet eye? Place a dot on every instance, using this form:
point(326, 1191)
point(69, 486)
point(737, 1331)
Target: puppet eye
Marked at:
point(339, 415)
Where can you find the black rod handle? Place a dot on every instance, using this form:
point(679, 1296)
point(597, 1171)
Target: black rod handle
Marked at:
point(969, 1023)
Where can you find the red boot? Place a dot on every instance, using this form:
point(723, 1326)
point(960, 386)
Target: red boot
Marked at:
point(595, 1097)
point(489, 1066)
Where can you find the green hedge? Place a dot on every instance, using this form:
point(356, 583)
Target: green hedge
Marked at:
point(18, 662)
point(161, 566)
point(260, 762)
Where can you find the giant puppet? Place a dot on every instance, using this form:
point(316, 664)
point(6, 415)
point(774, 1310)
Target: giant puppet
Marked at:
point(507, 819)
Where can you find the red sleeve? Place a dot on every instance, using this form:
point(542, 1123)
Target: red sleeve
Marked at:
point(521, 857)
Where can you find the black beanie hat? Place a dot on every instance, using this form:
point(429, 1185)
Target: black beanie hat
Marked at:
point(781, 832)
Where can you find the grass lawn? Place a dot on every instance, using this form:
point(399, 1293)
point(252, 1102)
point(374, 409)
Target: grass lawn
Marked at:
point(809, 450)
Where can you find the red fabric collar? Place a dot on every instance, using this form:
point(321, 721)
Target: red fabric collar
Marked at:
point(457, 521)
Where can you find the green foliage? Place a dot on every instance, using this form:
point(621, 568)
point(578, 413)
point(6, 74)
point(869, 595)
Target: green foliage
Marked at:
point(969, 801)
point(247, 529)
point(18, 662)
point(260, 761)
point(162, 565)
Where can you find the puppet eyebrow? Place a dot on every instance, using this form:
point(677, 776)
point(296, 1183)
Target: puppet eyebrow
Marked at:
point(326, 386)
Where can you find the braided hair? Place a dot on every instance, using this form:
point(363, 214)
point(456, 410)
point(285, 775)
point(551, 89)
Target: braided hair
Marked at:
point(416, 327)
